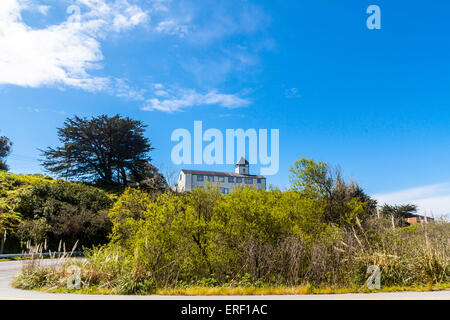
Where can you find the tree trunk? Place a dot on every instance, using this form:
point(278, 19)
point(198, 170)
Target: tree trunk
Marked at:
point(124, 176)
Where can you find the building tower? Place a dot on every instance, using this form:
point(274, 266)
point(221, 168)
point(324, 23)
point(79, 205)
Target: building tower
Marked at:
point(242, 167)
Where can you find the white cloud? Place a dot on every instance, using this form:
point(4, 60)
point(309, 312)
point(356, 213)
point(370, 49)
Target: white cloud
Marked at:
point(161, 93)
point(31, 5)
point(43, 9)
point(434, 199)
point(223, 36)
point(122, 89)
point(191, 98)
point(65, 53)
point(69, 53)
point(173, 28)
point(160, 5)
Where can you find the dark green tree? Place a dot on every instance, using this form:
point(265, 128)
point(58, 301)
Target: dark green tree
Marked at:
point(149, 178)
point(5, 149)
point(399, 211)
point(64, 211)
point(104, 149)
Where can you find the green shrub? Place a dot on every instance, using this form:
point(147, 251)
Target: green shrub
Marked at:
point(64, 211)
point(131, 285)
point(255, 238)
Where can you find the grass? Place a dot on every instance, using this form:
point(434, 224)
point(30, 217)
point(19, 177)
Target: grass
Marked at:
point(240, 291)
point(26, 258)
point(14, 259)
point(306, 289)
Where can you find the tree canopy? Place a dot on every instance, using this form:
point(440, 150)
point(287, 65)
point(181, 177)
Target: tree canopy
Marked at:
point(103, 149)
point(149, 178)
point(312, 178)
point(342, 201)
point(399, 211)
point(5, 149)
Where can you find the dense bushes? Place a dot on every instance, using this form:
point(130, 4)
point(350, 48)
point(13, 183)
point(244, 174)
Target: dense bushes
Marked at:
point(11, 186)
point(64, 211)
point(280, 238)
point(322, 232)
point(257, 238)
point(196, 235)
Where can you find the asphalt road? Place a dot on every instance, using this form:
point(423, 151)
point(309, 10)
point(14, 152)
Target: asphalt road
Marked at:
point(9, 269)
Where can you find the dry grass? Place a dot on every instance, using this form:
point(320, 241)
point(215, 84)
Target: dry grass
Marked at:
point(248, 291)
point(305, 289)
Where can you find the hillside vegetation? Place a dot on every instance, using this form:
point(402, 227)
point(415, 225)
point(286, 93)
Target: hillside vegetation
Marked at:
point(41, 209)
point(323, 232)
point(175, 243)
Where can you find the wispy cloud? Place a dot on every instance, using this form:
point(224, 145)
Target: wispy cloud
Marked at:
point(292, 93)
point(65, 53)
point(69, 53)
point(122, 88)
point(39, 110)
point(223, 37)
point(173, 28)
point(433, 199)
point(224, 19)
point(182, 99)
point(231, 115)
point(43, 9)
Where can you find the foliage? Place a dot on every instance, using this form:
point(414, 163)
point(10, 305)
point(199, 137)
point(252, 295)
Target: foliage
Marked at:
point(252, 239)
point(35, 230)
point(104, 149)
point(342, 202)
point(3, 166)
point(5, 149)
point(149, 178)
point(399, 211)
point(39, 208)
point(11, 185)
point(322, 233)
point(64, 211)
point(311, 178)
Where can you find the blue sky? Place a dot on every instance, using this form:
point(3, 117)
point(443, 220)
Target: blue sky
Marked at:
point(374, 102)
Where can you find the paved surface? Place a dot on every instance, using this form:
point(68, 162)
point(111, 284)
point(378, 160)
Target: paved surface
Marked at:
point(9, 269)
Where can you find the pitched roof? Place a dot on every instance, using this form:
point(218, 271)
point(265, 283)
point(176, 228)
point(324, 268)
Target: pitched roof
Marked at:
point(242, 161)
point(221, 174)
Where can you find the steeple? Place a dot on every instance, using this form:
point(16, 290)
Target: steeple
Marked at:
point(242, 167)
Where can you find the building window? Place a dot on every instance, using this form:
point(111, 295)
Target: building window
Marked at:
point(225, 190)
point(221, 179)
point(248, 180)
point(238, 180)
point(211, 178)
point(199, 178)
point(231, 179)
point(259, 180)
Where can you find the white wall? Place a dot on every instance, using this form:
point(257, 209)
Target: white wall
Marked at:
point(188, 182)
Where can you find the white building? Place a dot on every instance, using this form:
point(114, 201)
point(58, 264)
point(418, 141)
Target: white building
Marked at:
point(191, 179)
